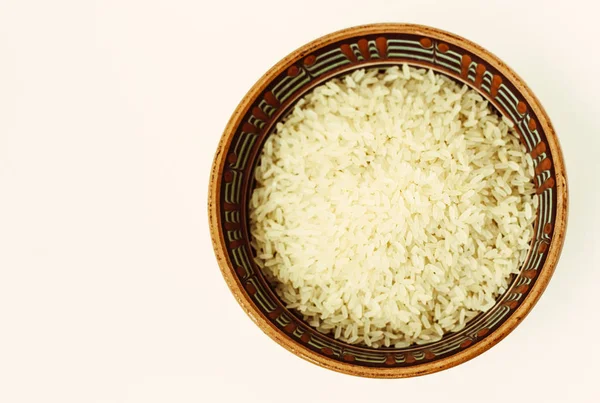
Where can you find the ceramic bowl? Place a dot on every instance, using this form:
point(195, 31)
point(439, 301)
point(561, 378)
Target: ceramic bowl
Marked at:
point(273, 96)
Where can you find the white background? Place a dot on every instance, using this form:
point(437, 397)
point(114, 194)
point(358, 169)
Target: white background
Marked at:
point(110, 112)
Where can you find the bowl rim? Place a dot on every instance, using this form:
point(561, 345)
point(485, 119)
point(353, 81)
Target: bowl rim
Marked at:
point(460, 357)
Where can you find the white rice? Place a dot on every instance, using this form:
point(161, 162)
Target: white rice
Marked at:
point(392, 206)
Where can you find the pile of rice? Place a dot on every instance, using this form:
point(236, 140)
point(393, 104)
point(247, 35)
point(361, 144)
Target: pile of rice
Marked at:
point(391, 206)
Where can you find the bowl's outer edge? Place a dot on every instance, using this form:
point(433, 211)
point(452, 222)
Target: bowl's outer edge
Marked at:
point(554, 249)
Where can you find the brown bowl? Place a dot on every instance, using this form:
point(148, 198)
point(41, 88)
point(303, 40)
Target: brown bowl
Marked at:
point(271, 98)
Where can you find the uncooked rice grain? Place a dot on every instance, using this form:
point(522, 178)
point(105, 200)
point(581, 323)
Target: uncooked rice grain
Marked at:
point(392, 206)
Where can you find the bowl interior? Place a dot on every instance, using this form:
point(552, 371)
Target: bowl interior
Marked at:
point(273, 98)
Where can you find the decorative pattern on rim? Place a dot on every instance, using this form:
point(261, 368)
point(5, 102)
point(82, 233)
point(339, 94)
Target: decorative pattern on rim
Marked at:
point(338, 58)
